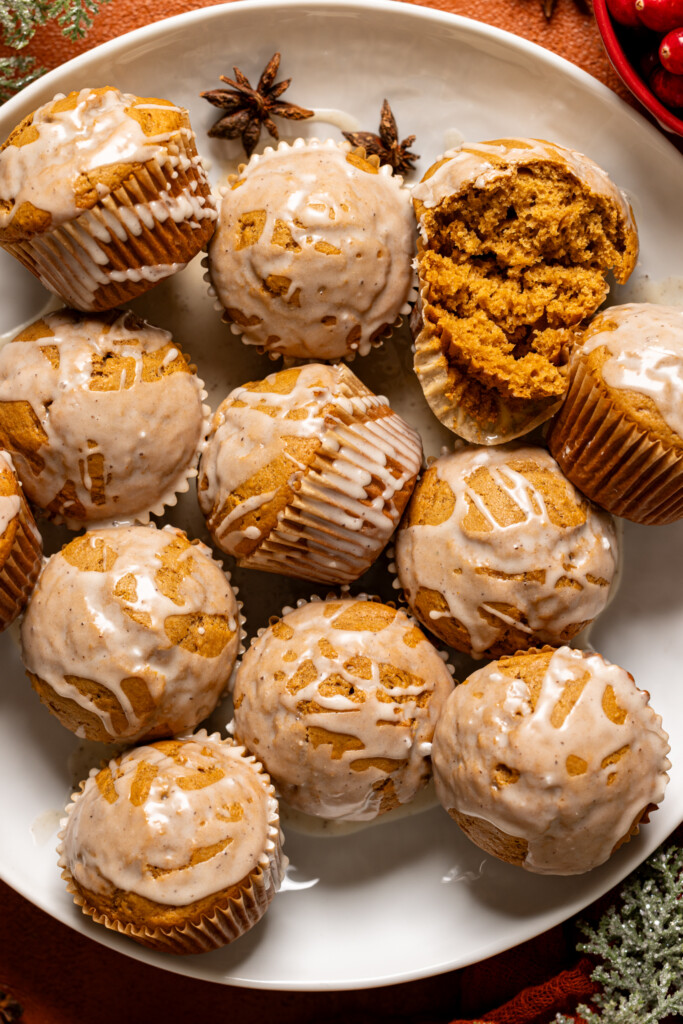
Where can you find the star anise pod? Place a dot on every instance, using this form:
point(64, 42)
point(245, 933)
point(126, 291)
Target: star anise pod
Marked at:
point(386, 145)
point(549, 7)
point(247, 108)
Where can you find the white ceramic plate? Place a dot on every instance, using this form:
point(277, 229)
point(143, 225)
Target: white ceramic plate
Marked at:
point(411, 897)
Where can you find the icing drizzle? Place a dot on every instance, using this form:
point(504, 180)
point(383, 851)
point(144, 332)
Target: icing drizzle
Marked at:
point(481, 568)
point(576, 779)
point(342, 716)
point(205, 822)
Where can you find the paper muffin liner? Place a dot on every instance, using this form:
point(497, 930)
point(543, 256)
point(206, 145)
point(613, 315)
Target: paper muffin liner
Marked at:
point(444, 385)
point(234, 912)
point(367, 345)
point(22, 566)
point(120, 248)
point(613, 462)
point(326, 532)
point(167, 498)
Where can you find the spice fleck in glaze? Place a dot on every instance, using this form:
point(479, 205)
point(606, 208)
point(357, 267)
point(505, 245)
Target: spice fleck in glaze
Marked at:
point(306, 473)
point(131, 633)
point(498, 552)
point(312, 253)
point(102, 194)
point(550, 759)
point(175, 843)
point(339, 700)
point(103, 415)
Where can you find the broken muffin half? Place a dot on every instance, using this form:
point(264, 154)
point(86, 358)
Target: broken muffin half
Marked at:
point(517, 237)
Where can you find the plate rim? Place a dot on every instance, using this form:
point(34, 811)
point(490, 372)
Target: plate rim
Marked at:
point(152, 32)
point(406, 8)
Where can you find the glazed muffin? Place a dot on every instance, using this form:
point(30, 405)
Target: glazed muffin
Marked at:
point(103, 415)
point(516, 239)
point(312, 252)
point(21, 549)
point(550, 759)
point(498, 552)
point(131, 634)
point(176, 844)
point(339, 699)
point(102, 194)
point(306, 473)
point(619, 434)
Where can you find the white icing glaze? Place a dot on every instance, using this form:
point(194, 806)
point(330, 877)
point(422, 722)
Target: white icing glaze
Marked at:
point(474, 569)
point(572, 801)
point(9, 509)
point(346, 506)
point(645, 354)
point(97, 132)
point(111, 626)
point(385, 717)
point(10, 504)
point(147, 432)
point(477, 164)
point(147, 846)
point(334, 302)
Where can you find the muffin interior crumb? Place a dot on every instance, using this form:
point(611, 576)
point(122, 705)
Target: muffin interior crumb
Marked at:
point(511, 268)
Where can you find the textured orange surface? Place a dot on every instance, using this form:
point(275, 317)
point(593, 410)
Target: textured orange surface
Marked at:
point(60, 977)
point(570, 33)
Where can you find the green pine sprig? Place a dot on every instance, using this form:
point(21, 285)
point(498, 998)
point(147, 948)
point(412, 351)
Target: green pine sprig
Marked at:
point(639, 942)
point(19, 21)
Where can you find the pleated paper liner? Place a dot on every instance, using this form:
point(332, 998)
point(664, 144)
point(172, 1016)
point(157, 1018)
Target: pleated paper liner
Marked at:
point(22, 566)
point(449, 390)
point(613, 462)
point(362, 347)
point(110, 254)
point(235, 910)
point(328, 533)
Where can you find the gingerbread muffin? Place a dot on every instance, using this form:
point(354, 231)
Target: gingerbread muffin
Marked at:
point(619, 433)
point(102, 194)
point(498, 552)
point(306, 473)
point(21, 549)
point(176, 844)
point(550, 759)
point(312, 252)
point(339, 699)
point(516, 239)
point(131, 634)
point(103, 415)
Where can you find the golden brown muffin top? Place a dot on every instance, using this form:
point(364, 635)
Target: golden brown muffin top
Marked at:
point(555, 747)
point(131, 632)
point(312, 254)
point(636, 353)
point(498, 548)
point(86, 405)
point(265, 437)
point(170, 823)
point(66, 155)
point(339, 699)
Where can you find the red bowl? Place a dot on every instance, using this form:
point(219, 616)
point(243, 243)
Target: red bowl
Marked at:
point(626, 47)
